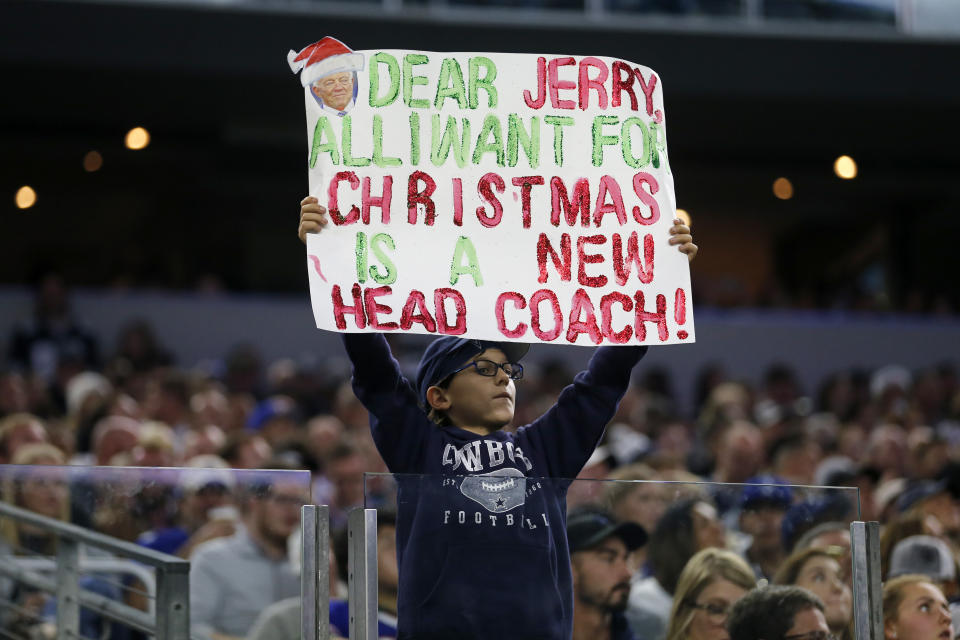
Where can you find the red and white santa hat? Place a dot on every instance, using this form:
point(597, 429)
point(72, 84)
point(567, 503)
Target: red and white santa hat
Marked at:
point(323, 58)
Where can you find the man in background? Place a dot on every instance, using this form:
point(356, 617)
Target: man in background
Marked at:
point(233, 579)
point(601, 559)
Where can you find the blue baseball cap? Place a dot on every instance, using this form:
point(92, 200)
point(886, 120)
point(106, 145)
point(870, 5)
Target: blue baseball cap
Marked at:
point(919, 491)
point(447, 354)
point(587, 530)
point(766, 490)
point(272, 407)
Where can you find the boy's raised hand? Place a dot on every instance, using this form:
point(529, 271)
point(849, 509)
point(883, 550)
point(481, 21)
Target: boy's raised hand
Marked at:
point(313, 217)
point(682, 236)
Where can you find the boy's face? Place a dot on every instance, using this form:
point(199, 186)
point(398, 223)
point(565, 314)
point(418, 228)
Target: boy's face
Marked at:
point(481, 401)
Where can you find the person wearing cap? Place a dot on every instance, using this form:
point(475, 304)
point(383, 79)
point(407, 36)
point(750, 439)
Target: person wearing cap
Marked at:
point(481, 536)
point(233, 579)
point(763, 503)
point(929, 556)
point(329, 68)
point(932, 498)
point(601, 556)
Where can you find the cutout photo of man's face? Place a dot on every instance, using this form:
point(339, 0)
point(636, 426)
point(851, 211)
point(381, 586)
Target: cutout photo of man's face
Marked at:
point(334, 90)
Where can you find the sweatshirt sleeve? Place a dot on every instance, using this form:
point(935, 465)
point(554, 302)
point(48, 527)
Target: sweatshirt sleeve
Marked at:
point(397, 422)
point(569, 431)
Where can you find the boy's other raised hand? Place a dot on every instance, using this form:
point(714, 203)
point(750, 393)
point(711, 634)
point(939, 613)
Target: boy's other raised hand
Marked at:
point(681, 235)
point(313, 217)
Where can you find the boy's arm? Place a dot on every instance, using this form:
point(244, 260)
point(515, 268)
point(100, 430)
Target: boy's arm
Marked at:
point(570, 430)
point(397, 422)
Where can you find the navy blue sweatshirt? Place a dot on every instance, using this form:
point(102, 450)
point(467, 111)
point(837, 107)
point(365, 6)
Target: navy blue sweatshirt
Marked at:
point(481, 520)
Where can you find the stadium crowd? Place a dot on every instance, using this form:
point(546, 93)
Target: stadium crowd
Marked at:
point(893, 434)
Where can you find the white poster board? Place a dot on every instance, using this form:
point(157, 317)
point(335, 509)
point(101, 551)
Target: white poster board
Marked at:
point(493, 196)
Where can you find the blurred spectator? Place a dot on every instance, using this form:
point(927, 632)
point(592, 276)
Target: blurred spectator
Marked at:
point(349, 409)
point(207, 510)
point(888, 388)
point(929, 498)
point(798, 615)
point(819, 570)
point(837, 396)
point(827, 534)
point(636, 495)
point(601, 563)
point(138, 349)
point(42, 491)
point(86, 391)
point(154, 446)
point(323, 432)
point(928, 556)
point(901, 528)
point(245, 450)
point(928, 453)
point(344, 469)
point(887, 450)
point(112, 437)
point(781, 399)
point(281, 621)
point(14, 393)
point(711, 582)
point(728, 401)
point(794, 457)
point(763, 504)
point(53, 345)
point(275, 419)
point(915, 609)
point(18, 430)
point(211, 406)
point(833, 509)
point(686, 527)
point(233, 579)
point(243, 370)
point(205, 440)
point(739, 453)
point(168, 401)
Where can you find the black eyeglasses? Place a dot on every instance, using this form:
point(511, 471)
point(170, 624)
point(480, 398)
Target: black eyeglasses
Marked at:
point(715, 611)
point(489, 368)
point(812, 635)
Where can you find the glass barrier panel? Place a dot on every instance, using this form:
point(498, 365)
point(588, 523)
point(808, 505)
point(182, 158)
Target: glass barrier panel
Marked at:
point(237, 527)
point(502, 553)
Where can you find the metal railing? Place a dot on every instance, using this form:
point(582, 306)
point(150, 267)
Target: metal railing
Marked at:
point(171, 620)
point(362, 572)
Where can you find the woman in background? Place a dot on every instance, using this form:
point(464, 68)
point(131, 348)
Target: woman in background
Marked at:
point(915, 609)
point(819, 571)
point(708, 586)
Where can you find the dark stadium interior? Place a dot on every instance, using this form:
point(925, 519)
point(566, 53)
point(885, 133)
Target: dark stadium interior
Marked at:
point(216, 191)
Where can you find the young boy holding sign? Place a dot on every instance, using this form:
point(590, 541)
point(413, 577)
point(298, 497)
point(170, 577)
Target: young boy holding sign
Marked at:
point(481, 536)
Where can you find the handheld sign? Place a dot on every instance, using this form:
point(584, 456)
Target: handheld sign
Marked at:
point(493, 196)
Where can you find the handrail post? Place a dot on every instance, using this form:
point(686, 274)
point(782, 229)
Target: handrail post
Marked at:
point(315, 572)
point(362, 569)
point(68, 588)
point(867, 598)
point(173, 602)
